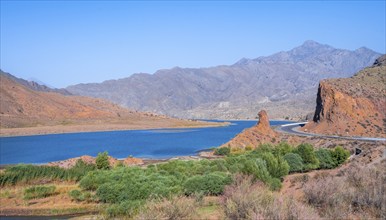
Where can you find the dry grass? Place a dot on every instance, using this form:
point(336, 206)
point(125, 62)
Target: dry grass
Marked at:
point(247, 200)
point(356, 191)
point(179, 207)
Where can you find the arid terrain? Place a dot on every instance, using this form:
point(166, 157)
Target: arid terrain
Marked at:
point(352, 106)
point(25, 111)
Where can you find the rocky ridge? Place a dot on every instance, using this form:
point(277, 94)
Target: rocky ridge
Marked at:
point(352, 106)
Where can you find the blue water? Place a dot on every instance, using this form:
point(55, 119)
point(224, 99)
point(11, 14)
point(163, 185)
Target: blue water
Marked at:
point(158, 143)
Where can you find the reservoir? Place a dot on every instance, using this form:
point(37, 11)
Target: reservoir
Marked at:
point(155, 143)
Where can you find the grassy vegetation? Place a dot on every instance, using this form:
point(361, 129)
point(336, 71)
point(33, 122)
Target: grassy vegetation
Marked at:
point(29, 173)
point(171, 189)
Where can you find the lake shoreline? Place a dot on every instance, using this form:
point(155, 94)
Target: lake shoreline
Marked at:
point(68, 129)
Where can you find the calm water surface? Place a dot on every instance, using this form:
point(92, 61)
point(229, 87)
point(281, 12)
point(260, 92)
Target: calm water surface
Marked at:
point(158, 143)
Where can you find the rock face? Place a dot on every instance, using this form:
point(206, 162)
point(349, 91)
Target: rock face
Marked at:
point(286, 79)
point(353, 106)
point(252, 137)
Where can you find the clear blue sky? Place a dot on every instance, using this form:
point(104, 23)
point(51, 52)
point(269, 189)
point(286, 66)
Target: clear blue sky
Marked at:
point(65, 43)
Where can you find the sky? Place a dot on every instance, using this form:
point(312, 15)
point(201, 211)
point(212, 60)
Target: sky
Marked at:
point(63, 43)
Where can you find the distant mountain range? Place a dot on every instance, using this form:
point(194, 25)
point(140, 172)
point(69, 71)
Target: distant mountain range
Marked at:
point(283, 83)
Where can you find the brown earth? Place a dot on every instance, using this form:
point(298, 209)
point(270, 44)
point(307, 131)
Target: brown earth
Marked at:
point(353, 106)
point(258, 134)
point(24, 111)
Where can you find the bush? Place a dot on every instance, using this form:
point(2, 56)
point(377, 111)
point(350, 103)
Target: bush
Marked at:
point(340, 155)
point(295, 162)
point(76, 195)
point(276, 166)
point(102, 161)
point(36, 192)
point(307, 153)
point(127, 208)
point(209, 184)
point(325, 158)
point(282, 149)
point(222, 151)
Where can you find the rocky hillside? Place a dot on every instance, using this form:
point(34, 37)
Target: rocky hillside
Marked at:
point(21, 106)
point(285, 80)
point(259, 134)
point(354, 106)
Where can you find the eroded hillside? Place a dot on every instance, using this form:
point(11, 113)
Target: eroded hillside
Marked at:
point(353, 106)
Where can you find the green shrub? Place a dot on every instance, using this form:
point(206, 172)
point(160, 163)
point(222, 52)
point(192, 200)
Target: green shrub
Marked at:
point(277, 166)
point(102, 161)
point(307, 153)
point(76, 195)
point(282, 149)
point(35, 192)
point(127, 208)
point(275, 184)
point(325, 158)
point(340, 155)
point(222, 151)
point(294, 161)
point(209, 184)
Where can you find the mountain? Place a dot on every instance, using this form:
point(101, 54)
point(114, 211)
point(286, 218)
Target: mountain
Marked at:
point(34, 85)
point(354, 106)
point(21, 106)
point(282, 83)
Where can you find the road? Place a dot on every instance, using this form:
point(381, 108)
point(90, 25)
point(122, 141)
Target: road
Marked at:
point(294, 130)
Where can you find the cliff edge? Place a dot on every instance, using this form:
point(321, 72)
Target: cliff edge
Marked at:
point(354, 106)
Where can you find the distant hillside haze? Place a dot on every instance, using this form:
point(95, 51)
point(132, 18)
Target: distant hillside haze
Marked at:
point(284, 84)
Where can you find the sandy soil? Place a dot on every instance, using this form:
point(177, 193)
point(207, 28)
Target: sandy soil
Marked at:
point(138, 125)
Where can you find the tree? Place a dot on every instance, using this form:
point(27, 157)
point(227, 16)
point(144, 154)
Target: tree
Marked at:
point(102, 161)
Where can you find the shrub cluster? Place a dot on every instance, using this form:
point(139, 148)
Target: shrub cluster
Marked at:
point(305, 158)
point(268, 164)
